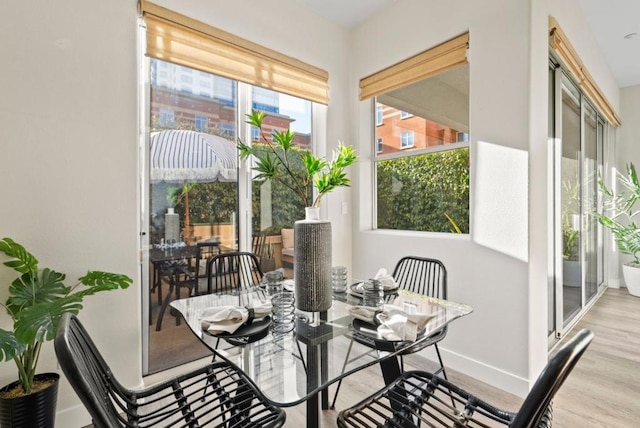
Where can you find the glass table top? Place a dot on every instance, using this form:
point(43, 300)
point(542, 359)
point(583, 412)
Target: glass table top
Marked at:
point(289, 368)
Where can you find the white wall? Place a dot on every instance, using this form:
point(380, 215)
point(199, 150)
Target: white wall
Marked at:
point(69, 157)
point(504, 276)
point(69, 160)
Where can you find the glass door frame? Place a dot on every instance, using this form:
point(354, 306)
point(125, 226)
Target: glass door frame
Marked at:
point(559, 326)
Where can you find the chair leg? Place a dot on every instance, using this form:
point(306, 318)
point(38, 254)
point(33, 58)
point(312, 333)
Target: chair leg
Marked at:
point(344, 366)
point(444, 372)
point(165, 303)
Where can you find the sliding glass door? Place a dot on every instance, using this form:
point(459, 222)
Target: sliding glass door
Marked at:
point(577, 132)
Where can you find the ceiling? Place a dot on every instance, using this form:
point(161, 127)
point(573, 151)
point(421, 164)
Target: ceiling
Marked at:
point(610, 21)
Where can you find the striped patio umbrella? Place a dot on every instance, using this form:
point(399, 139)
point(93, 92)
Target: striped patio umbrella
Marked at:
point(179, 156)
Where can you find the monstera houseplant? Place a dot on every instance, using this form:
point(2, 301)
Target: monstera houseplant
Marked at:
point(299, 170)
point(37, 300)
point(620, 218)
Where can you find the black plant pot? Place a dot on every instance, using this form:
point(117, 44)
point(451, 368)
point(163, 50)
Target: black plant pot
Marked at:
point(37, 410)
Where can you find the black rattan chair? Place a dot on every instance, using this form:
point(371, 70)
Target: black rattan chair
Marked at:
point(228, 271)
point(418, 275)
point(217, 395)
point(419, 398)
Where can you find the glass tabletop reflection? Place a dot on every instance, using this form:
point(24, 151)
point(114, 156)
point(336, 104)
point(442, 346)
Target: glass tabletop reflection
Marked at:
point(289, 368)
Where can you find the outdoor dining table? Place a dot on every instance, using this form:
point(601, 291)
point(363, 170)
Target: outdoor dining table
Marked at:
point(299, 366)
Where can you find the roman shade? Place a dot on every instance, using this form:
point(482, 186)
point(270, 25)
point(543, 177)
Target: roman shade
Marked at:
point(565, 52)
point(185, 41)
point(428, 63)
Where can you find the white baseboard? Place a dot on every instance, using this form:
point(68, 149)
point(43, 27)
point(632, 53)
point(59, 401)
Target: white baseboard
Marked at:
point(490, 375)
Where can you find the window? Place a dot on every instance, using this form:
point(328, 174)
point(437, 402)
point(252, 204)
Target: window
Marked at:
point(227, 130)
point(202, 123)
point(404, 115)
point(406, 140)
point(167, 118)
point(378, 115)
point(462, 137)
point(206, 199)
point(274, 205)
point(422, 176)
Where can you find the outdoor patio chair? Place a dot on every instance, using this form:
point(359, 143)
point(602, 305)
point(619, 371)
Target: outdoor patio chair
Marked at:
point(418, 398)
point(217, 395)
point(188, 275)
point(419, 275)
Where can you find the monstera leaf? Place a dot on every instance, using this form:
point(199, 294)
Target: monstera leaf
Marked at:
point(28, 290)
point(39, 323)
point(9, 346)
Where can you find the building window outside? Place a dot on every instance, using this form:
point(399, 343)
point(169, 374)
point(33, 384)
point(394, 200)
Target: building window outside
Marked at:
point(378, 115)
point(422, 173)
point(404, 115)
point(407, 140)
point(167, 118)
point(227, 130)
point(462, 137)
point(202, 123)
point(379, 145)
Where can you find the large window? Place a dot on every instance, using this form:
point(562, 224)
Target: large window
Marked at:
point(422, 171)
point(197, 190)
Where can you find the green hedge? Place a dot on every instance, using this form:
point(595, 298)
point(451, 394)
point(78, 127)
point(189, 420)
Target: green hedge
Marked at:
point(415, 192)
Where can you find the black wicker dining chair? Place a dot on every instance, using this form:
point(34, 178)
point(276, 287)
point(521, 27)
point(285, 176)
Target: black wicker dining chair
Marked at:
point(217, 395)
point(233, 270)
point(190, 276)
point(420, 275)
point(418, 398)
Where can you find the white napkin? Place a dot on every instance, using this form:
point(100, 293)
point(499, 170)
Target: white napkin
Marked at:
point(227, 319)
point(387, 281)
point(395, 323)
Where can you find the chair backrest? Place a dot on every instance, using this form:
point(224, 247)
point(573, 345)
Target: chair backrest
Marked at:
point(227, 271)
point(88, 373)
point(204, 251)
point(257, 246)
point(552, 377)
point(422, 275)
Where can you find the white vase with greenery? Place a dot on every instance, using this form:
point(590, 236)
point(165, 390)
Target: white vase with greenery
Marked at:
point(300, 171)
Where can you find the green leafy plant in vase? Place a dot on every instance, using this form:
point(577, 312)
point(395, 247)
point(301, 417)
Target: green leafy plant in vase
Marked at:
point(37, 300)
point(619, 217)
point(297, 169)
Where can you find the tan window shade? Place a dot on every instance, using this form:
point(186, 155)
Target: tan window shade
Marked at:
point(567, 54)
point(438, 59)
point(181, 40)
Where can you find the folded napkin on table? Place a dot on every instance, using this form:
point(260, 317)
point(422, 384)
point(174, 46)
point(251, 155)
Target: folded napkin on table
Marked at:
point(395, 323)
point(227, 319)
point(387, 281)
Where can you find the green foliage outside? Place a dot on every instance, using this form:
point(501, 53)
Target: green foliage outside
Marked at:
point(424, 192)
point(211, 203)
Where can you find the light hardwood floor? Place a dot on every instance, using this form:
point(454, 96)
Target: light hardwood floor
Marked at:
point(602, 391)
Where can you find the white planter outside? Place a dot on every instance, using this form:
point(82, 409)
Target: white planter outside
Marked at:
point(632, 279)
point(571, 273)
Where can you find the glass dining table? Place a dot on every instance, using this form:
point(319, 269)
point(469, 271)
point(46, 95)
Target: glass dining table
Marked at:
point(299, 366)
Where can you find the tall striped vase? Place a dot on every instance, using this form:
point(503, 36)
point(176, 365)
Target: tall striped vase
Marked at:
point(312, 262)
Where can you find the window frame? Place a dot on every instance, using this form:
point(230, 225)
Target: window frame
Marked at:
point(410, 144)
